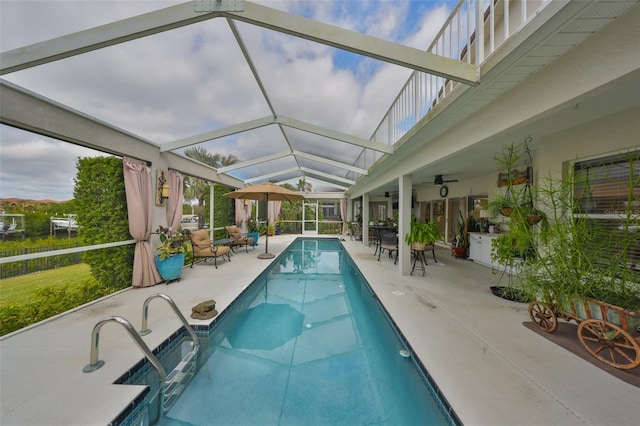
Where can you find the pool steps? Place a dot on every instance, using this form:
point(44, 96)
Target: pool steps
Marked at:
point(170, 386)
point(178, 379)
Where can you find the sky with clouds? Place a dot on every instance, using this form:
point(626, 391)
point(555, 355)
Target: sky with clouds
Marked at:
point(195, 79)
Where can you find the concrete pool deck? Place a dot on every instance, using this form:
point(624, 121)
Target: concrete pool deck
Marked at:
point(492, 369)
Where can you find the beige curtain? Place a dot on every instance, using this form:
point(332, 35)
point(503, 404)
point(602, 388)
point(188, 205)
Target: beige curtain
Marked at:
point(343, 215)
point(139, 193)
point(273, 211)
point(174, 203)
point(240, 217)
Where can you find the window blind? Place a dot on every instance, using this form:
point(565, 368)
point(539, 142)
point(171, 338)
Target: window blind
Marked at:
point(607, 199)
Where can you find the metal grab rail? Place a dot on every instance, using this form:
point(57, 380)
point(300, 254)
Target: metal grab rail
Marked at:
point(95, 363)
point(182, 373)
point(145, 314)
point(177, 376)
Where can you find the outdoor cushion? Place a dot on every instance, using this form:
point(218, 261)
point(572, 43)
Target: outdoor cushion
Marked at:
point(202, 247)
point(238, 238)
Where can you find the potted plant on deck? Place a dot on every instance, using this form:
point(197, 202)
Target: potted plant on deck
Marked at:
point(253, 228)
point(422, 234)
point(460, 243)
point(171, 253)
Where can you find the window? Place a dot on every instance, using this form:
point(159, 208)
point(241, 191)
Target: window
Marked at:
point(331, 211)
point(607, 196)
point(378, 211)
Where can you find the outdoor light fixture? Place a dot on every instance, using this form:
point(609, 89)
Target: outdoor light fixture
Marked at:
point(386, 194)
point(162, 189)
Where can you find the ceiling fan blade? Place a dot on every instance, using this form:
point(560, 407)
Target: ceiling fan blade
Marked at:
point(439, 180)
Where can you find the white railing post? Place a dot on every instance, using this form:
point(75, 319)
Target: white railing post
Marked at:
point(479, 32)
point(505, 20)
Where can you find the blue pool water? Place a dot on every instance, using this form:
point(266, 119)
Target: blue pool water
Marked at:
point(307, 343)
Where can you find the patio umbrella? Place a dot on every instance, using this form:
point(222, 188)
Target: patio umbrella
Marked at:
point(266, 191)
point(266, 326)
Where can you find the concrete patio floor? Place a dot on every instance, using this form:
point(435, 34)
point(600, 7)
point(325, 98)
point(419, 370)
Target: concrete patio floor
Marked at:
point(492, 369)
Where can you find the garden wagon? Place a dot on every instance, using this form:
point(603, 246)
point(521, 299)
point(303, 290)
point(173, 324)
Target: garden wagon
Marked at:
point(608, 332)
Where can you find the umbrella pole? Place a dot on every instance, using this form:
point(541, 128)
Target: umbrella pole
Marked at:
point(266, 254)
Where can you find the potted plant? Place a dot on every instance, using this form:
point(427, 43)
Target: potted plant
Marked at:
point(254, 230)
point(500, 205)
point(422, 234)
point(460, 243)
point(171, 253)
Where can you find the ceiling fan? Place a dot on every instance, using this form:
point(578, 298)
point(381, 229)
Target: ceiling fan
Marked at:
point(439, 180)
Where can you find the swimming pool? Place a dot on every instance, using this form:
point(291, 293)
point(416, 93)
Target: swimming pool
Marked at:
point(308, 342)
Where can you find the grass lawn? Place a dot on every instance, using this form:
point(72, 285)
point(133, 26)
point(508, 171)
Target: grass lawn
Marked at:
point(20, 289)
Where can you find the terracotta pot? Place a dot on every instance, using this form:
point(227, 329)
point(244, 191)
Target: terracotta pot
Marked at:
point(459, 252)
point(506, 211)
point(533, 219)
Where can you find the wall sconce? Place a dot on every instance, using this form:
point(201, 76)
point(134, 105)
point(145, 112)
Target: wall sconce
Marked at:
point(162, 189)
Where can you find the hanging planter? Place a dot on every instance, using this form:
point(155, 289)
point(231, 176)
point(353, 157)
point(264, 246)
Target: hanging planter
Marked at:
point(533, 219)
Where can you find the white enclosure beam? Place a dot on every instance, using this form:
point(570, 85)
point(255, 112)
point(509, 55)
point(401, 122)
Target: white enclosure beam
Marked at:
point(255, 161)
point(270, 175)
point(332, 134)
point(185, 14)
point(102, 36)
point(327, 175)
point(17, 106)
point(216, 134)
point(330, 162)
point(362, 44)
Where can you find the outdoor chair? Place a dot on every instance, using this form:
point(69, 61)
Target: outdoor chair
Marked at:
point(203, 248)
point(238, 238)
point(389, 242)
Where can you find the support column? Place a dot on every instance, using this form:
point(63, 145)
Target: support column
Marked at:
point(405, 184)
point(211, 212)
point(365, 218)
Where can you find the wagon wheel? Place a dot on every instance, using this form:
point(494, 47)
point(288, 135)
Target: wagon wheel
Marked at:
point(609, 343)
point(542, 316)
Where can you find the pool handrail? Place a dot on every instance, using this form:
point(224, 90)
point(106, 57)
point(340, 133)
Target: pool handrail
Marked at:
point(95, 363)
point(145, 315)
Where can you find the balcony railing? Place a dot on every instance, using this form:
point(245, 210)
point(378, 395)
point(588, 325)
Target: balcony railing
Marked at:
point(456, 40)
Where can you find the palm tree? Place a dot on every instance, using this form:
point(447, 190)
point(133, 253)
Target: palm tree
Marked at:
point(196, 188)
point(302, 185)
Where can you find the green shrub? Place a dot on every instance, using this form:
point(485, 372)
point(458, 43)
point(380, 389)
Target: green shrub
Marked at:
point(101, 204)
point(47, 302)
